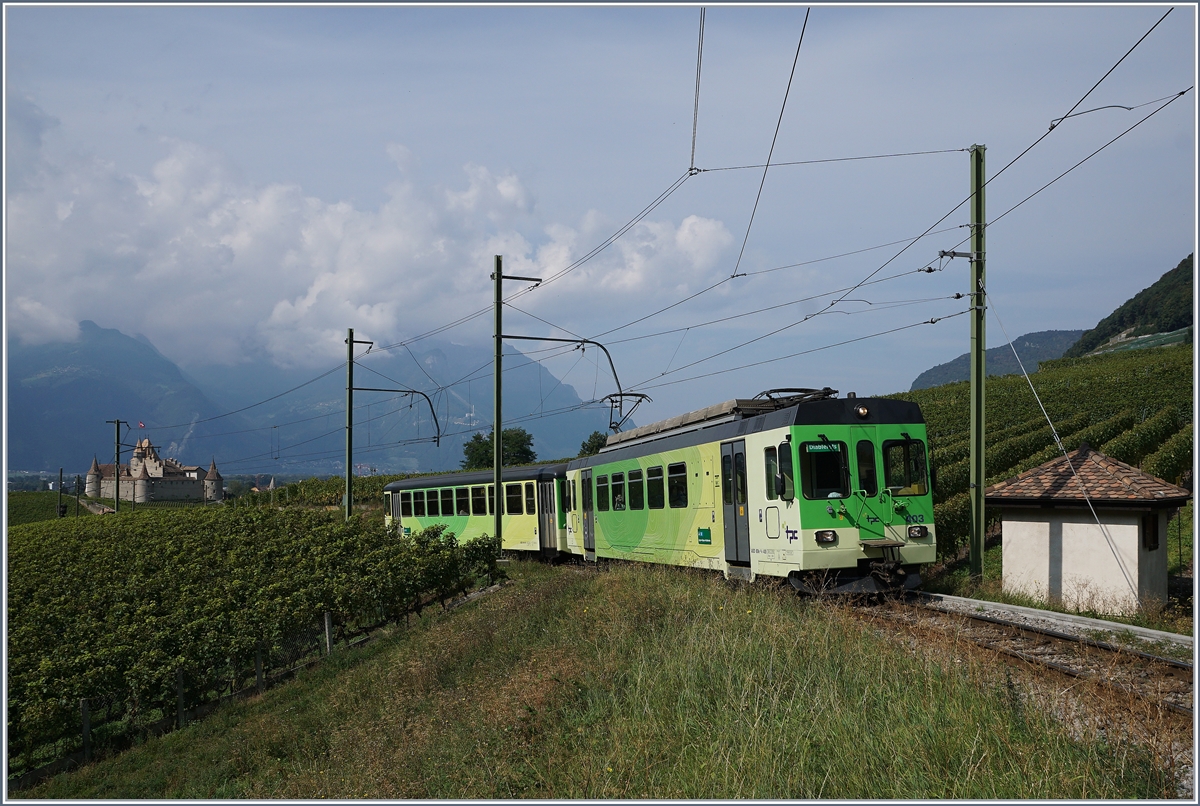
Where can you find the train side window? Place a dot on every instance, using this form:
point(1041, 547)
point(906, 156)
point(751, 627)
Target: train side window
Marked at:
point(447, 502)
point(771, 465)
point(406, 510)
point(739, 472)
point(787, 471)
point(637, 493)
point(587, 496)
point(677, 484)
point(432, 506)
point(865, 453)
point(419, 503)
point(821, 469)
point(602, 493)
point(462, 501)
point(478, 503)
point(727, 479)
point(904, 467)
point(618, 492)
point(491, 488)
point(654, 488)
point(531, 499)
point(512, 499)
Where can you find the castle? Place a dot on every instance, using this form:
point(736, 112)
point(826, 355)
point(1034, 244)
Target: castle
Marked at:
point(149, 478)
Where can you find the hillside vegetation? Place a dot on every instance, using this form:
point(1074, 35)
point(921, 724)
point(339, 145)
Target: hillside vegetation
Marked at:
point(634, 682)
point(1163, 307)
point(1134, 406)
point(30, 507)
point(1033, 347)
point(143, 611)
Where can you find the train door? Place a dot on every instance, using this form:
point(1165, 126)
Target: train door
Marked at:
point(870, 504)
point(734, 503)
point(589, 516)
point(547, 517)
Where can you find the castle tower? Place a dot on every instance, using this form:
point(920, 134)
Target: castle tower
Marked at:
point(214, 489)
point(141, 486)
point(92, 488)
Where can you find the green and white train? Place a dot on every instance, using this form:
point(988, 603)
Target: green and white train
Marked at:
point(831, 494)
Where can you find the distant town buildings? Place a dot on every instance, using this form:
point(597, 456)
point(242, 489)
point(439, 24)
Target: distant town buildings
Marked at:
point(149, 478)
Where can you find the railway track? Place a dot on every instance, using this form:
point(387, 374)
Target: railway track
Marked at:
point(1059, 646)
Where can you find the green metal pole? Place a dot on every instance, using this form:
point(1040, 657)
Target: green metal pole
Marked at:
point(349, 418)
point(978, 352)
point(497, 419)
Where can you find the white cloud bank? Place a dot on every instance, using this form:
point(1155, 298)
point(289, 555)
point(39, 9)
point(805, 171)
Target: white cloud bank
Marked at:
point(213, 270)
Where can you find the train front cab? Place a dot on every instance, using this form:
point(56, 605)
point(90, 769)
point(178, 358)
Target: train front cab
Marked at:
point(833, 507)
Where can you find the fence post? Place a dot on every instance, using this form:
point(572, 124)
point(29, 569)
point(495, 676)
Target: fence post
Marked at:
point(258, 675)
point(328, 633)
point(179, 695)
point(87, 730)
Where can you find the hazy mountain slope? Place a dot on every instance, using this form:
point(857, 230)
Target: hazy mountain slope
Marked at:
point(60, 395)
point(1033, 348)
point(1163, 307)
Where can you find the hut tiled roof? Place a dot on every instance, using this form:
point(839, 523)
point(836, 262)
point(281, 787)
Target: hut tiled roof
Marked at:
point(1107, 481)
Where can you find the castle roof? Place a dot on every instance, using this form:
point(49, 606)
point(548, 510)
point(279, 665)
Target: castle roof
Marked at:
point(94, 470)
point(212, 474)
point(1107, 482)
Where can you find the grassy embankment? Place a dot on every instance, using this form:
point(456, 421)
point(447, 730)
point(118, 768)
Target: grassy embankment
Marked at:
point(630, 682)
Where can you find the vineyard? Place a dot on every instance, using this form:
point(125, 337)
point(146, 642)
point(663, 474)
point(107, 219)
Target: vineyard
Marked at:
point(1133, 406)
point(147, 610)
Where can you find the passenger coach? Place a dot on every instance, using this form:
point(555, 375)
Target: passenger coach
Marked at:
point(828, 493)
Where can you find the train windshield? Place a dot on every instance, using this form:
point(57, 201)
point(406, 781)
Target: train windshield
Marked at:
point(904, 467)
point(823, 469)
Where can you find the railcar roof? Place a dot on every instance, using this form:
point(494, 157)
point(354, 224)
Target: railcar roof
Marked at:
point(827, 412)
point(474, 477)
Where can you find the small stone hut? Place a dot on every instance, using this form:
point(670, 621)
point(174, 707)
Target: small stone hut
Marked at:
point(1054, 549)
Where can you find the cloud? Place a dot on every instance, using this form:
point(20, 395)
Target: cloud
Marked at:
point(215, 270)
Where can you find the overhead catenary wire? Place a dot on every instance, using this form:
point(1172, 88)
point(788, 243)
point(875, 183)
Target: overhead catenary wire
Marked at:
point(696, 106)
point(1173, 99)
point(1014, 160)
point(931, 321)
point(833, 159)
point(774, 138)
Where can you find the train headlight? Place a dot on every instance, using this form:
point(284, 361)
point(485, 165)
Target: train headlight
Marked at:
point(826, 536)
point(861, 412)
point(915, 532)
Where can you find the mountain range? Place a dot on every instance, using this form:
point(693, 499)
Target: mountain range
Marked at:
point(62, 394)
point(1163, 308)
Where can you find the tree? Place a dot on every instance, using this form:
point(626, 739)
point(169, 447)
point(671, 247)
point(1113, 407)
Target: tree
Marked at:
point(592, 445)
point(518, 449)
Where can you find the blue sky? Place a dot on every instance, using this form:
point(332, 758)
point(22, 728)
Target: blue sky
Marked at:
point(274, 175)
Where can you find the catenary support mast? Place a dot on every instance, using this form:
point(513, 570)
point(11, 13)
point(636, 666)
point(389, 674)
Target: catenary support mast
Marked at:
point(978, 352)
